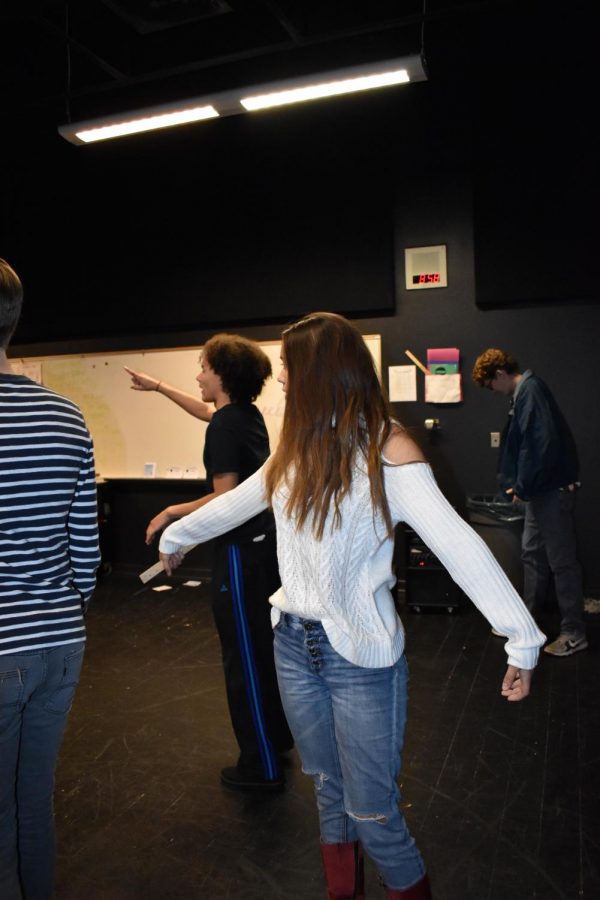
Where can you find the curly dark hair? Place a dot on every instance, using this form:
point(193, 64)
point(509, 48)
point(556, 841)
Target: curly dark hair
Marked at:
point(240, 363)
point(489, 362)
point(11, 299)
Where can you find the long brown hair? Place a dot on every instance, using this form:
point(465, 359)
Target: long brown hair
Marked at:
point(335, 414)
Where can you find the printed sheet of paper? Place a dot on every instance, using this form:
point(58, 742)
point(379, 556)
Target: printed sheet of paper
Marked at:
point(443, 389)
point(403, 383)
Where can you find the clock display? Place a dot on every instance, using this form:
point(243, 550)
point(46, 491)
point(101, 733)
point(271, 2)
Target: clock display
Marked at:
point(426, 278)
point(425, 268)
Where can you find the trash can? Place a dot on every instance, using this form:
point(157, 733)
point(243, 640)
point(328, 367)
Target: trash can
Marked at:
point(500, 524)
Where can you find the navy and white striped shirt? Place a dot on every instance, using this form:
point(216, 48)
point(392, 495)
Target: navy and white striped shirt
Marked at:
point(48, 517)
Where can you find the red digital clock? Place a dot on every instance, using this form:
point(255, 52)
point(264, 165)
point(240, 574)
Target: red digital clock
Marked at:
point(425, 268)
point(426, 278)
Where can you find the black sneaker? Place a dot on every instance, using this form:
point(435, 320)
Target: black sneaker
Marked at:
point(238, 779)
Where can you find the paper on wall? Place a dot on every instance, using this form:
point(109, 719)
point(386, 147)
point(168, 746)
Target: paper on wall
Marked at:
point(403, 383)
point(443, 388)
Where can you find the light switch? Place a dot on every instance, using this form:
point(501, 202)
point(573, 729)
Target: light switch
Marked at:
point(494, 438)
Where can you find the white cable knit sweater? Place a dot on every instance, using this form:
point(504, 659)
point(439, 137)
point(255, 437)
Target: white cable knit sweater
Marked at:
point(345, 579)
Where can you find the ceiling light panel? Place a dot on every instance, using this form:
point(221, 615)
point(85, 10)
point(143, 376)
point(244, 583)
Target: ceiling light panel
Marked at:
point(259, 97)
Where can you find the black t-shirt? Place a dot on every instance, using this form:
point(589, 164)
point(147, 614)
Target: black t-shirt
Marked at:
point(237, 441)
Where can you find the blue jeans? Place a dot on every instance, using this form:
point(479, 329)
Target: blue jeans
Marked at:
point(348, 724)
point(36, 693)
point(548, 550)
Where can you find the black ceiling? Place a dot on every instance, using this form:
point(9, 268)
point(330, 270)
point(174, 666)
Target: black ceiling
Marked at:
point(80, 59)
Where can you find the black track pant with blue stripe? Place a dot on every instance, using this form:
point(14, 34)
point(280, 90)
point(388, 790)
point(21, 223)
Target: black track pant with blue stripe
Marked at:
point(243, 578)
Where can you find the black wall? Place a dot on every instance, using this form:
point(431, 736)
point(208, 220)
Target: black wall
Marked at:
point(205, 226)
point(436, 163)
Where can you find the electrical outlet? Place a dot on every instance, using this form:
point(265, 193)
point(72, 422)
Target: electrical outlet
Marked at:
point(494, 438)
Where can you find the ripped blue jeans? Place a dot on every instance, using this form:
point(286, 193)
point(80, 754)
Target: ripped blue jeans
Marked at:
point(348, 725)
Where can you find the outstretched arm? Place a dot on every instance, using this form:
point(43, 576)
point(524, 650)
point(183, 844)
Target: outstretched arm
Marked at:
point(193, 405)
point(210, 520)
point(221, 484)
point(415, 498)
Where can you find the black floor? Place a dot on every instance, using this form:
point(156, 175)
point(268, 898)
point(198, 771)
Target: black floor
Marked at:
point(503, 799)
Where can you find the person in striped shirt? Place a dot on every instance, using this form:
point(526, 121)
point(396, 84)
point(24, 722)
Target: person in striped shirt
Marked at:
point(49, 554)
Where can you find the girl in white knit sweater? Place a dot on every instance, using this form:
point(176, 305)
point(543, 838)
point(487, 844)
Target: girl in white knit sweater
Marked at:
point(343, 475)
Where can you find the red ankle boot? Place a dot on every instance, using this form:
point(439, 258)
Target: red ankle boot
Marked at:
point(419, 891)
point(344, 871)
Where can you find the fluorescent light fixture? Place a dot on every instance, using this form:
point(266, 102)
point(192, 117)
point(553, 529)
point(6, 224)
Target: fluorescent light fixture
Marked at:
point(145, 120)
point(265, 96)
point(326, 89)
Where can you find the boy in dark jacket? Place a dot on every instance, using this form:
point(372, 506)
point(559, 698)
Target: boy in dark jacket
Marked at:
point(538, 466)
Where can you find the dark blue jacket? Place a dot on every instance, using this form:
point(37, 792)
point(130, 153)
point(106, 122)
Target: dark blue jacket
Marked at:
point(538, 453)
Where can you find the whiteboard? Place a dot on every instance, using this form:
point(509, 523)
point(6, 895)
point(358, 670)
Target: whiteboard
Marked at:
point(132, 428)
